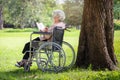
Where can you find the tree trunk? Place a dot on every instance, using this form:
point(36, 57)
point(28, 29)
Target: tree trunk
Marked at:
point(96, 37)
point(1, 20)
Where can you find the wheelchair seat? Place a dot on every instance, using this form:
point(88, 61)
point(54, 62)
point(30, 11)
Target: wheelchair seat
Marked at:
point(57, 36)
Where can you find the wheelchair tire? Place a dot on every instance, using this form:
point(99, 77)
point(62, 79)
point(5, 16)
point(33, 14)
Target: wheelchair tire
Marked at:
point(42, 64)
point(54, 55)
point(26, 67)
point(70, 54)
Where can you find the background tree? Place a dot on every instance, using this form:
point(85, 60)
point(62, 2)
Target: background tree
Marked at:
point(24, 13)
point(96, 37)
point(46, 16)
point(1, 15)
point(74, 10)
point(117, 9)
point(21, 12)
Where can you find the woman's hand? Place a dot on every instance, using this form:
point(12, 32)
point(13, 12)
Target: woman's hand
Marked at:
point(45, 29)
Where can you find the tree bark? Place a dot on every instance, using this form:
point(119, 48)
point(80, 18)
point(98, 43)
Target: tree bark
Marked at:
point(1, 19)
point(97, 36)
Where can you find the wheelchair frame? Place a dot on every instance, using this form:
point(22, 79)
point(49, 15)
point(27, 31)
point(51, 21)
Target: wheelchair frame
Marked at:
point(50, 56)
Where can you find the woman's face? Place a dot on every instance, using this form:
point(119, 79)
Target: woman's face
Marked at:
point(56, 19)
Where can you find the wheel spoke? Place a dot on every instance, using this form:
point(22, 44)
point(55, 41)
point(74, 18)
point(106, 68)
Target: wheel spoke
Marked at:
point(53, 55)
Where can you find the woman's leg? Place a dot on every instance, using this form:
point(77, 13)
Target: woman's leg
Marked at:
point(27, 47)
point(26, 55)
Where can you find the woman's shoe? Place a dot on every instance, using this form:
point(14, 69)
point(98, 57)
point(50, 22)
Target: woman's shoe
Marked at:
point(21, 63)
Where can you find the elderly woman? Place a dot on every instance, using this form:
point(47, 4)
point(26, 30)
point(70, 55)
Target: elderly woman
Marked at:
point(58, 18)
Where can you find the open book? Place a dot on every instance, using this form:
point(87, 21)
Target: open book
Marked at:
point(40, 26)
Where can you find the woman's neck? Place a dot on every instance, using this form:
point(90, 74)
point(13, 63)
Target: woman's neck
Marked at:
point(56, 22)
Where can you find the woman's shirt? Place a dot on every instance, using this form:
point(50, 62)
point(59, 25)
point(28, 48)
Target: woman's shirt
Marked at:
point(60, 24)
point(50, 29)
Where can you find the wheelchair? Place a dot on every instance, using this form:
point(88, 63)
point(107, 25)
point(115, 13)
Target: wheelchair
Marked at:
point(55, 55)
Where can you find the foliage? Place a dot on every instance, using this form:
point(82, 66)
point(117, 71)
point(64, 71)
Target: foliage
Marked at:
point(21, 12)
point(1, 19)
point(117, 24)
point(73, 10)
point(117, 9)
point(11, 44)
point(24, 13)
point(46, 16)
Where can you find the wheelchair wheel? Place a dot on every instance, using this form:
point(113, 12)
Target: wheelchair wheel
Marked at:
point(54, 56)
point(70, 54)
point(26, 67)
point(42, 64)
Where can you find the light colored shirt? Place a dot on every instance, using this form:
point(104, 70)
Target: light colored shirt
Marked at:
point(60, 24)
point(50, 29)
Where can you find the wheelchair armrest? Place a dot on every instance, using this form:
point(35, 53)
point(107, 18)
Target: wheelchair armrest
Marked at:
point(36, 32)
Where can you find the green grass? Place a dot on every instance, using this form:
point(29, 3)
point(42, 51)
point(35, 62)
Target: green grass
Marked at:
point(12, 42)
point(116, 24)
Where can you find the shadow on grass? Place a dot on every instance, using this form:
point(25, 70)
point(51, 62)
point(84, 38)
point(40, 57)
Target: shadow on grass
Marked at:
point(20, 74)
point(36, 74)
point(72, 74)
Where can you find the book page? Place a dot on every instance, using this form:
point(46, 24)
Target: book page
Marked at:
point(40, 26)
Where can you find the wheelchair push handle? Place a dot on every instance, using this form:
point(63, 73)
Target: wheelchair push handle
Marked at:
point(67, 29)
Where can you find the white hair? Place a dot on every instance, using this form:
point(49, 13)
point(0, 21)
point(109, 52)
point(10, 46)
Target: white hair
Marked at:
point(60, 14)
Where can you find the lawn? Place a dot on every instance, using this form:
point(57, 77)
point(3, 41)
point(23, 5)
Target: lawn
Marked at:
point(12, 42)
